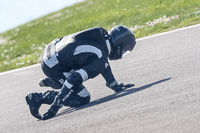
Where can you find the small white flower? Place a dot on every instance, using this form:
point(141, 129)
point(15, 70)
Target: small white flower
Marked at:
point(7, 57)
point(40, 48)
point(197, 12)
point(46, 23)
point(28, 61)
point(5, 62)
point(11, 48)
point(17, 30)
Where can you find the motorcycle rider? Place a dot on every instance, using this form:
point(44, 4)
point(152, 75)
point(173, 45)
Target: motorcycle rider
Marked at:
point(70, 60)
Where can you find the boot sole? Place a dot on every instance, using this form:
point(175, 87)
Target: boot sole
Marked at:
point(31, 107)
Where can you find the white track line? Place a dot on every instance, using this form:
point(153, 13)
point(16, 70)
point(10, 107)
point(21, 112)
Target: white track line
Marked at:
point(143, 38)
point(19, 69)
point(168, 32)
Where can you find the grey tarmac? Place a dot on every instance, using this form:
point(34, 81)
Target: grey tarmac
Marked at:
point(166, 71)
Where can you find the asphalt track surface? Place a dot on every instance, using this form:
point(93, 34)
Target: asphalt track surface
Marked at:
point(166, 71)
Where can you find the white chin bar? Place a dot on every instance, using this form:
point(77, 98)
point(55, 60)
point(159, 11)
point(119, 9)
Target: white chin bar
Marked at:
point(124, 54)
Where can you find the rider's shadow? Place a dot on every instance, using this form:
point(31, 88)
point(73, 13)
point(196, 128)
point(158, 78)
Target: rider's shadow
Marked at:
point(111, 97)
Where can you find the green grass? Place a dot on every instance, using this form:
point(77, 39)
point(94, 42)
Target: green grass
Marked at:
point(23, 45)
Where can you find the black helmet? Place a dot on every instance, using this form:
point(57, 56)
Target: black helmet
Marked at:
point(122, 41)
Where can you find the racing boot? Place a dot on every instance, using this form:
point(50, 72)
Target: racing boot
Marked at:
point(33, 100)
point(47, 82)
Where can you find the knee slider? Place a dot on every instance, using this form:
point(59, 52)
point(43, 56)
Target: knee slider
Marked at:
point(75, 78)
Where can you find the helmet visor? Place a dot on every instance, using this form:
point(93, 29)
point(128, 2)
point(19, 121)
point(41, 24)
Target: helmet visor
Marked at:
point(126, 50)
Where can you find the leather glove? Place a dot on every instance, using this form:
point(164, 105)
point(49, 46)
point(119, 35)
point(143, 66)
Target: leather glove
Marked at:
point(119, 87)
point(51, 112)
point(58, 103)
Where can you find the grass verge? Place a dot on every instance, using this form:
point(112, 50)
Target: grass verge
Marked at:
point(23, 45)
